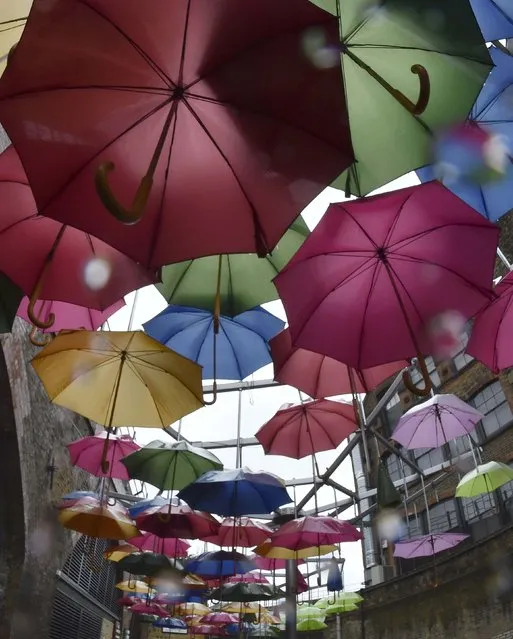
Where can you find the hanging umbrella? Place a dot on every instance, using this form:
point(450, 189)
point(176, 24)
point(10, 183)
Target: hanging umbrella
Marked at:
point(149, 608)
point(171, 547)
point(248, 578)
point(87, 453)
point(193, 609)
point(490, 341)
point(10, 298)
point(310, 612)
point(495, 17)
point(239, 608)
point(119, 552)
point(218, 618)
point(214, 123)
point(314, 531)
point(98, 520)
point(246, 279)
point(13, 16)
point(435, 422)
point(271, 563)
point(127, 601)
point(242, 532)
point(353, 598)
point(334, 581)
point(405, 77)
point(385, 267)
point(247, 592)
point(340, 607)
point(70, 499)
point(310, 625)
point(150, 564)
point(177, 521)
point(271, 551)
point(320, 376)
point(298, 430)
point(427, 545)
point(170, 466)
point(170, 622)
point(144, 504)
point(193, 582)
point(231, 493)
point(238, 349)
point(138, 587)
point(485, 478)
point(60, 262)
point(461, 151)
point(220, 563)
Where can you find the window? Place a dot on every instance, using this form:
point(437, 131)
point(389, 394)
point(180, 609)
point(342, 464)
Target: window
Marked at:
point(459, 446)
point(433, 373)
point(506, 491)
point(476, 508)
point(492, 402)
point(429, 457)
point(414, 527)
point(443, 516)
point(394, 468)
point(461, 359)
point(392, 413)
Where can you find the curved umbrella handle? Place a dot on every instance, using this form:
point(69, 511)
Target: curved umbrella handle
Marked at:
point(40, 341)
point(424, 93)
point(31, 310)
point(109, 201)
point(428, 384)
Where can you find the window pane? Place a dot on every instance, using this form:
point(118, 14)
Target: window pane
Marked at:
point(459, 446)
point(427, 458)
point(492, 402)
point(477, 508)
point(414, 527)
point(443, 516)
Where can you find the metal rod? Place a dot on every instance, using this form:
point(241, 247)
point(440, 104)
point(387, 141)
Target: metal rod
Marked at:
point(503, 259)
point(428, 518)
point(238, 449)
point(291, 589)
point(396, 451)
point(363, 429)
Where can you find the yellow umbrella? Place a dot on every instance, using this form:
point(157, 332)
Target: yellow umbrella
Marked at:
point(277, 552)
point(193, 608)
point(13, 14)
point(135, 586)
point(242, 608)
point(193, 581)
point(119, 552)
point(98, 520)
point(119, 378)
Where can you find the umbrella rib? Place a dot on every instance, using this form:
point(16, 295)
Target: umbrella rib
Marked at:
point(395, 221)
point(396, 47)
point(230, 320)
point(209, 324)
point(325, 430)
point(376, 271)
point(179, 281)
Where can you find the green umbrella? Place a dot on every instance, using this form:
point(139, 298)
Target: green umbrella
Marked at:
point(246, 279)
point(170, 466)
point(247, 592)
point(339, 607)
point(150, 564)
point(310, 625)
point(352, 598)
point(411, 68)
point(484, 479)
point(10, 298)
point(387, 494)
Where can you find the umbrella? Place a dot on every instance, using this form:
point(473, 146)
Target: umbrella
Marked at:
point(150, 564)
point(170, 466)
point(119, 552)
point(340, 607)
point(148, 608)
point(170, 622)
point(240, 608)
point(269, 550)
point(13, 16)
point(98, 520)
point(271, 563)
point(405, 77)
point(144, 504)
point(385, 267)
point(298, 430)
point(70, 499)
point(87, 453)
point(248, 578)
point(193, 609)
point(247, 592)
point(127, 601)
point(242, 532)
point(177, 521)
point(310, 625)
point(310, 612)
point(220, 563)
point(10, 298)
point(460, 152)
point(135, 586)
point(314, 531)
point(206, 138)
point(490, 341)
point(320, 376)
point(353, 598)
point(435, 422)
point(427, 545)
point(231, 493)
point(219, 618)
point(495, 17)
point(334, 582)
point(171, 547)
point(238, 348)
point(485, 478)
point(59, 262)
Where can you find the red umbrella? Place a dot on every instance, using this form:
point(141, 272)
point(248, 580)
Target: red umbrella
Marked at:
point(127, 601)
point(298, 430)
point(320, 376)
point(248, 578)
point(242, 532)
point(372, 276)
point(314, 531)
point(171, 546)
point(219, 619)
point(58, 262)
point(177, 521)
point(89, 454)
point(219, 124)
point(149, 609)
point(267, 563)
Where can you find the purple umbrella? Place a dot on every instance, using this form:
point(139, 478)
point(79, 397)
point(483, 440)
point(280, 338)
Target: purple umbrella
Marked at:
point(435, 422)
point(427, 545)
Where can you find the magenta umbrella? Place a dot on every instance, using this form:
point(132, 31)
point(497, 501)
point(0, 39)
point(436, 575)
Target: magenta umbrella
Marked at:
point(427, 545)
point(177, 521)
point(320, 376)
point(298, 430)
point(268, 563)
point(248, 578)
point(375, 272)
point(242, 532)
point(170, 546)
point(314, 531)
point(89, 454)
point(218, 619)
point(436, 422)
point(145, 608)
point(491, 341)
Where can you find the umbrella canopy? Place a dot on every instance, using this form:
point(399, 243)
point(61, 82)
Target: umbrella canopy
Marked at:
point(311, 625)
point(271, 563)
point(435, 422)
point(490, 341)
point(78, 496)
point(248, 578)
point(247, 592)
point(232, 493)
point(341, 607)
point(86, 372)
point(239, 608)
point(177, 521)
point(148, 608)
point(170, 622)
point(245, 279)
point(150, 564)
point(220, 563)
point(219, 618)
point(13, 16)
point(119, 552)
point(193, 608)
point(271, 551)
point(495, 17)
point(144, 504)
point(405, 78)
point(298, 430)
point(10, 299)
point(127, 601)
point(427, 545)
point(241, 344)
point(346, 597)
point(461, 150)
point(171, 547)
point(135, 586)
point(314, 531)
point(87, 453)
point(320, 376)
point(170, 466)
point(485, 478)
point(385, 267)
point(209, 106)
point(242, 532)
point(98, 520)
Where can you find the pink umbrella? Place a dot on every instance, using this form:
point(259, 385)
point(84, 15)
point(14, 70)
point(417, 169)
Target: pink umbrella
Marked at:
point(320, 376)
point(298, 430)
point(242, 532)
point(491, 341)
point(177, 521)
point(435, 422)
point(88, 453)
point(372, 276)
point(219, 619)
point(149, 609)
point(206, 629)
point(126, 600)
point(248, 578)
point(301, 583)
point(314, 531)
point(266, 563)
point(427, 545)
point(59, 262)
point(172, 546)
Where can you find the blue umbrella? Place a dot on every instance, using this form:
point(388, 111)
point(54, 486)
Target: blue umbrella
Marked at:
point(147, 503)
point(170, 622)
point(241, 344)
point(493, 111)
point(232, 493)
point(495, 18)
point(220, 563)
